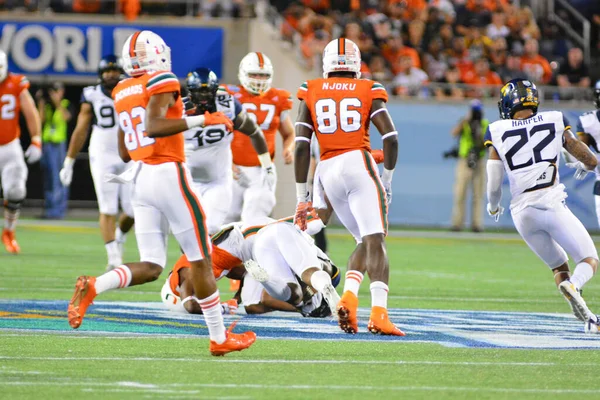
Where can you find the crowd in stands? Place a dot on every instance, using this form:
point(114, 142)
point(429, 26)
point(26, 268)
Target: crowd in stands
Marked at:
point(437, 47)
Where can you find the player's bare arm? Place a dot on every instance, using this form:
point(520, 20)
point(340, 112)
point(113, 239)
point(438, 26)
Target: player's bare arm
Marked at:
point(123, 153)
point(286, 130)
point(80, 133)
point(384, 124)
point(579, 150)
point(304, 130)
point(32, 116)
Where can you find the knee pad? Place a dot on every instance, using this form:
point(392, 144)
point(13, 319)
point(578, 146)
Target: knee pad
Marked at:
point(597, 188)
point(16, 193)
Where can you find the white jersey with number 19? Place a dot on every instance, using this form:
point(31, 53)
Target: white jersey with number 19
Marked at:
point(530, 150)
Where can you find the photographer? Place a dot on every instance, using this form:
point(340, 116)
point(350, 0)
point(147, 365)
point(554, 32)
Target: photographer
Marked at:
point(55, 114)
point(470, 168)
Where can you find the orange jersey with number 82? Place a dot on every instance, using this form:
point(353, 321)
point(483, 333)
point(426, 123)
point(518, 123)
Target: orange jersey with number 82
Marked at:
point(10, 106)
point(131, 99)
point(340, 110)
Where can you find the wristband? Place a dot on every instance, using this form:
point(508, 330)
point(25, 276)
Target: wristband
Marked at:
point(194, 121)
point(68, 163)
point(36, 140)
point(301, 192)
point(387, 175)
point(265, 160)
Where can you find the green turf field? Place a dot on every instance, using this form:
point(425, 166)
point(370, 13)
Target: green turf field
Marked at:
point(426, 273)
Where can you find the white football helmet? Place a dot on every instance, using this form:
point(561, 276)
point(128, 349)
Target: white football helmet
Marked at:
point(256, 63)
point(145, 51)
point(3, 66)
point(171, 300)
point(341, 55)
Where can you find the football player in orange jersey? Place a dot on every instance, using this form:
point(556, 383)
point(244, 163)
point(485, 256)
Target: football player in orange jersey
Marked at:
point(253, 190)
point(14, 99)
point(150, 109)
point(338, 109)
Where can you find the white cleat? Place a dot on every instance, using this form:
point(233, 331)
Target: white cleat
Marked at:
point(572, 295)
point(256, 271)
point(332, 297)
point(592, 326)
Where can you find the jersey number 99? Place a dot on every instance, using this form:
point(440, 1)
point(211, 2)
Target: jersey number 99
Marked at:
point(135, 136)
point(331, 115)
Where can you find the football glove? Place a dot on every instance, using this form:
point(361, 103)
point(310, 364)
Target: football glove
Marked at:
point(34, 151)
point(301, 215)
point(270, 177)
point(388, 192)
point(229, 306)
point(377, 156)
point(218, 118)
point(495, 213)
point(66, 173)
point(241, 178)
point(189, 107)
point(580, 170)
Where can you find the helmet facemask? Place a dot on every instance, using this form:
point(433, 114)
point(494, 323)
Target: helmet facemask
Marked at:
point(203, 98)
point(257, 82)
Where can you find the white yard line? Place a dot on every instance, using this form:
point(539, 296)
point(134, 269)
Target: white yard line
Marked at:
point(152, 388)
point(275, 361)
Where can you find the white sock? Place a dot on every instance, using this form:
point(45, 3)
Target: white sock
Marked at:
point(119, 277)
point(319, 280)
point(120, 236)
point(113, 252)
point(379, 294)
point(353, 281)
point(211, 308)
point(583, 273)
point(10, 219)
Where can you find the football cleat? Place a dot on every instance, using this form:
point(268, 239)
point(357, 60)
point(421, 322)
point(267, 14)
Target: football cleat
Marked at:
point(380, 324)
point(85, 292)
point(347, 312)
point(233, 342)
point(592, 326)
point(10, 242)
point(256, 271)
point(332, 298)
point(573, 296)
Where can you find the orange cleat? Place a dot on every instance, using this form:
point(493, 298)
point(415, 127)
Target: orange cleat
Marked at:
point(347, 312)
point(10, 242)
point(234, 285)
point(233, 342)
point(85, 292)
point(380, 324)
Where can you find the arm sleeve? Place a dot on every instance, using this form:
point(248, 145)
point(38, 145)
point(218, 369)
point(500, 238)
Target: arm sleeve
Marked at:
point(378, 92)
point(495, 176)
point(163, 82)
point(566, 122)
point(286, 101)
point(237, 107)
point(23, 84)
point(83, 98)
point(580, 130)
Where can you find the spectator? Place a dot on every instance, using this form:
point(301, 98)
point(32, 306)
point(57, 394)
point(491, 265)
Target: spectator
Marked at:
point(530, 28)
point(446, 9)
point(432, 26)
point(511, 70)
point(451, 88)
point(379, 70)
point(55, 113)
point(395, 49)
point(498, 26)
point(482, 76)
point(447, 36)
point(416, 29)
point(574, 73)
point(514, 39)
point(498, 53)
point(470, 168)
point(312, 48)
point(477, 43)
point(434, 61)
point(460, 56)
point(535, 67)
point(409, 79)
point(381, 29)
point(86, 6)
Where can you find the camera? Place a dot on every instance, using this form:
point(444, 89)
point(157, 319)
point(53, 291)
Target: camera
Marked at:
point(452, 153)
point(473, 158)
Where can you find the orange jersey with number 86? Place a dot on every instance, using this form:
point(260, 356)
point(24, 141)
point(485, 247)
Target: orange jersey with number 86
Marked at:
point(131, 99)
point(340, 110)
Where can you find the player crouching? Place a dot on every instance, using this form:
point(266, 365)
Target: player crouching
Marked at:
point(527, 144)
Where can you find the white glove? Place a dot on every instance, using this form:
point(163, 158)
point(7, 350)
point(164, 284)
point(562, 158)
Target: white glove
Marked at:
point(241, 178)
point(580, 170)
point(33, 153)
point(66, 173)
point(270, 177)
point(495, 213)
point(388, 192)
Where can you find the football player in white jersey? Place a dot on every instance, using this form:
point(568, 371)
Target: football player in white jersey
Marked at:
point(588, 130)
point(208, 150)
point(97, 109)
point(527, 145)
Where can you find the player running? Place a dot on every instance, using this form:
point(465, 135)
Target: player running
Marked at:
point(253, 195)
point(208, 150)
point(339, 109)
point(97, 109)
point(588, 130)
point(526, 144)
point(14, 99)
point(149, 108)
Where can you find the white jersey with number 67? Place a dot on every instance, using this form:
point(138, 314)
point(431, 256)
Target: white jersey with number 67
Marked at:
point(530, 150)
